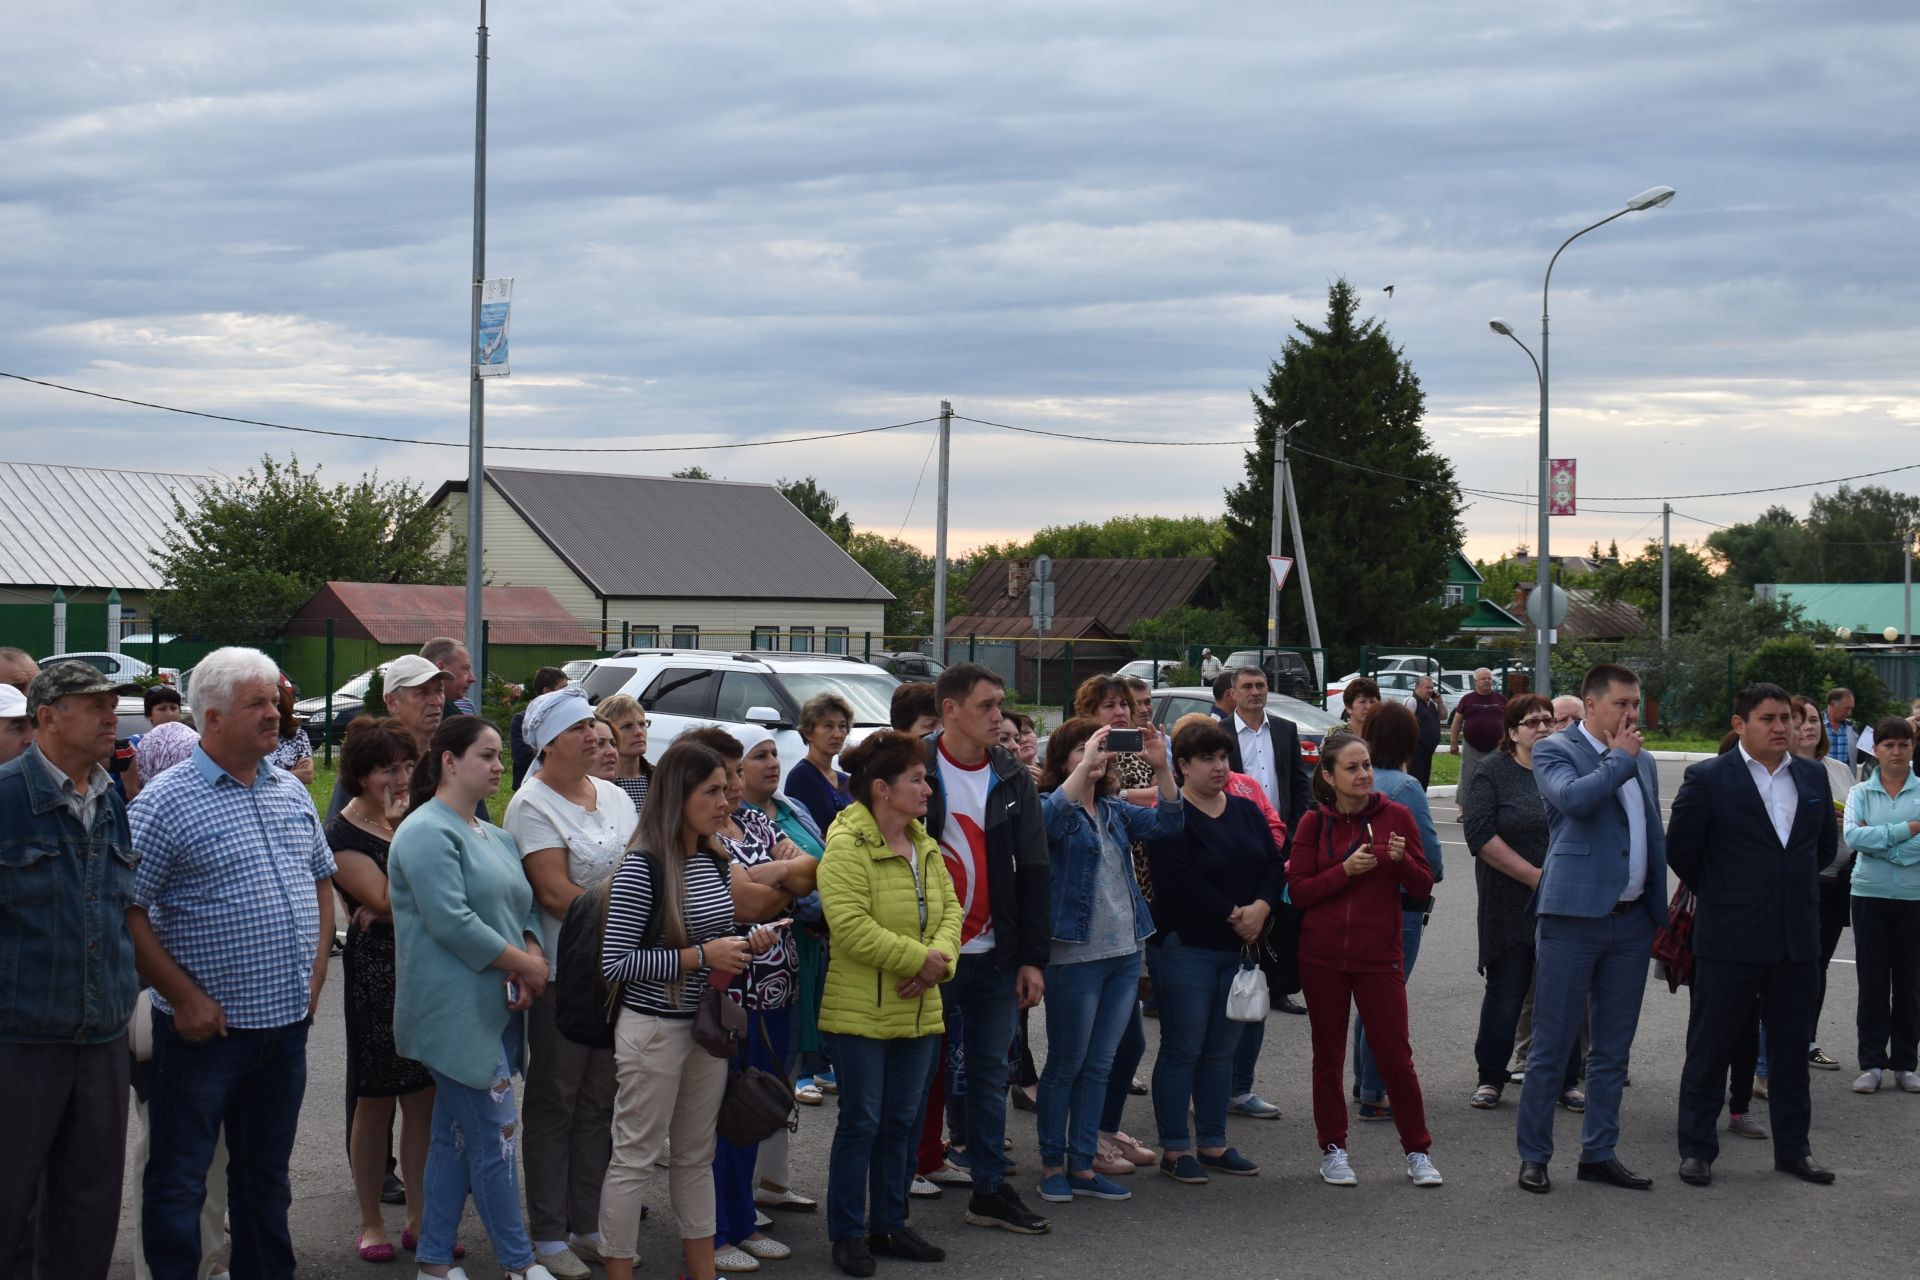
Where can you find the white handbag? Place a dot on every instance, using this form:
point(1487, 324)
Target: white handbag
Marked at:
point(1247, 996)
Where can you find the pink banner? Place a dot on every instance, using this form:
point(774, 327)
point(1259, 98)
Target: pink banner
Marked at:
point(1561, 474)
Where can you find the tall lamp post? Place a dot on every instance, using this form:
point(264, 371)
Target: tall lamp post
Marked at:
point(1652, 198)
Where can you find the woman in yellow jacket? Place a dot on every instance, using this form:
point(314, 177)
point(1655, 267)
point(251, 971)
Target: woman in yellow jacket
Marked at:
point(895, 926)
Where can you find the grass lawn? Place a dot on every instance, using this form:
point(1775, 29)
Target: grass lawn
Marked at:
point(321, 788)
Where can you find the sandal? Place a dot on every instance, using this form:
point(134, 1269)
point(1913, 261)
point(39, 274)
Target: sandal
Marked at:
point(382, 1252)
point(807, 1093)
point(1574, 1101)
point(1485, 1098)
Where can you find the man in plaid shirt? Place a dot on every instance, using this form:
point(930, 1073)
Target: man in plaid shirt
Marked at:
point(232, 916)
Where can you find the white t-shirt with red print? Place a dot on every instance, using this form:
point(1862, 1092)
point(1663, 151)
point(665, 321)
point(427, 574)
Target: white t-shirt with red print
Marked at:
point(963, 842)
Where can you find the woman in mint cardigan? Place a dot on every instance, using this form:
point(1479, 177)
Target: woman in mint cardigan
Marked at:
point(468, 963)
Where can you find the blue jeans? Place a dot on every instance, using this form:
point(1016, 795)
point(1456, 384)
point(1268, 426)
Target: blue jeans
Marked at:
point(733, 1166)
point(981, 994)
point(1132, 1049)
point(1599, 965)
point(1196, 1043)
point(883, 1095)
point(1088, 1007)
point(251, 1081)
point(1246, 1056)
point(475, 1133)
point(1366, 1077)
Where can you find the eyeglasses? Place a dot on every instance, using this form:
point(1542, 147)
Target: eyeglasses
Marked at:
point(1539, 722)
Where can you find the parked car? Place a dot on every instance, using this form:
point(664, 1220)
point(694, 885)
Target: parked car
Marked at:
point(1409, 662)
point(121, 666)
point(1454, 683)
point(1313, 723)
point(1153, 670)
point(687, 688)
point(1287, 671)
point(1395, 686)
point(908, 665)
point(347, 702)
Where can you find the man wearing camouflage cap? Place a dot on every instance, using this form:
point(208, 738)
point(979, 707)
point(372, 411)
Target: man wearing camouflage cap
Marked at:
point(67, 983)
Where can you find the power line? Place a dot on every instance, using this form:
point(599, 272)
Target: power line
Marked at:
point(1069, 435)
point(461, 444)
point(931, 445)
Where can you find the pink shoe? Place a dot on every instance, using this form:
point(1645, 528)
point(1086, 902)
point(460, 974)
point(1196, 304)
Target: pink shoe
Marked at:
point(1131, 1149)
point(382, 1252)
point(1108, 1160)
point(410, 1242)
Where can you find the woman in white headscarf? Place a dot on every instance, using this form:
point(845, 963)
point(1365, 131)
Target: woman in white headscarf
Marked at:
point(572, 828)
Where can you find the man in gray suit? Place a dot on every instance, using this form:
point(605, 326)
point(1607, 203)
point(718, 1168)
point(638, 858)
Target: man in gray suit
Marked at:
point(1602, 894)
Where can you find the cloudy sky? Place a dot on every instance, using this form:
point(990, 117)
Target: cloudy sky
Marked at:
point(737, 221)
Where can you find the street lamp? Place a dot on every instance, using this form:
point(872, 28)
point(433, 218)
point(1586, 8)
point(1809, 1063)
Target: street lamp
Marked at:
point(1651, 198)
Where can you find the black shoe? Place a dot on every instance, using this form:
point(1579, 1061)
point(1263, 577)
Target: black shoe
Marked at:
point(1614, 1173)
point(1023, 1101)
point(1289, 1005)
point(1533, 1177)
point(1002, 1208)
point(1696, 1172)
point(906, 1243)
point(393, 1191)
point(853, 1257)
point(1807, 1170)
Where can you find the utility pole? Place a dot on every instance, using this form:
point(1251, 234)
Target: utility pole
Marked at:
point(1279, 524)
point(1666, 570)
point(476, 391)
point(1306, 583)
point(1906, 567)
point(940, 539)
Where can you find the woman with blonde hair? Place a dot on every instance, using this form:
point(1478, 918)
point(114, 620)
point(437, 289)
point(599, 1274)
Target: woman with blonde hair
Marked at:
point(629, 721)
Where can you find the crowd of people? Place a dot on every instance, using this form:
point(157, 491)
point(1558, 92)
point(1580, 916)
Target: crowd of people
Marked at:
point(672, 955)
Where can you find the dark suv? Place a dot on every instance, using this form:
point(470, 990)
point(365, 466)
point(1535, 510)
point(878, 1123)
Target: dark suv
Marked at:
point(1287, 671)
point(908, 665)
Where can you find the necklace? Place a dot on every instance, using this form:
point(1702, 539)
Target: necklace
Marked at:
point(364, 819)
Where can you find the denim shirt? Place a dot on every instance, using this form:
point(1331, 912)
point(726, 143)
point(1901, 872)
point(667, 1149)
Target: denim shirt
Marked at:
point(66, 959)
point(1075, 851)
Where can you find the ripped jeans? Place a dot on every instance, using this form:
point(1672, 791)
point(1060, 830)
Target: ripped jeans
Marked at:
point(476, 1137)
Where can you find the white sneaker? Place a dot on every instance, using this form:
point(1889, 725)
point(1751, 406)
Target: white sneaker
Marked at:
point(565, 1264)
point(585, 1248)
point(950, 1174)
point(1334, 1169)
point(767, 1247)
point(457, 1273)
point(1421, 1170)
point(1909, 1080)
point(761, 1221)
point(1868, 1081)
point(534, 1272)
point(735, 1259)
point(922, 1188)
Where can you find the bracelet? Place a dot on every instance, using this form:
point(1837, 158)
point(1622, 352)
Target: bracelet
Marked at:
point(700, 955)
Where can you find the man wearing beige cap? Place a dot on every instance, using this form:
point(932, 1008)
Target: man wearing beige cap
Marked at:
point(415, 692)
point(67, 983)
point(16, 727)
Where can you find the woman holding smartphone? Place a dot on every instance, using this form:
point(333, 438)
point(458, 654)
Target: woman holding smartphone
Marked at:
point(672, 918)
point(468, 962)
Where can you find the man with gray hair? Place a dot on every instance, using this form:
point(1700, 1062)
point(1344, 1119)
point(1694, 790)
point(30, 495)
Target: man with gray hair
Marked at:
point(452, 657)
point(1481, 717)
point(17, 668)
point(231, 923)
point(67, 982)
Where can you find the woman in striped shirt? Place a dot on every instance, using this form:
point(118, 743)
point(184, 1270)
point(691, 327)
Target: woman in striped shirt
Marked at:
point(672, 919)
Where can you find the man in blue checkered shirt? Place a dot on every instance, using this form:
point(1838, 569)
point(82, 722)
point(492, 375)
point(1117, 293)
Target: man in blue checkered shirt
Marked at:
point(1841, 735)
point(232, 917)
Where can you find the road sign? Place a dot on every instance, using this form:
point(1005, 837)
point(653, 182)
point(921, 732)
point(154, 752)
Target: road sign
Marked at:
point(1280, 567)
point(1040, 603)
point(1561, 474)
point(1042, 568)
point(1557, 612)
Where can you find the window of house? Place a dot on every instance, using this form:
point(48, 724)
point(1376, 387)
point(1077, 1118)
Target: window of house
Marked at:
point(1455, 594)
point(800, 640)
point(766, 638)
point(686, 637)
point(839, 640)
point(643, 637)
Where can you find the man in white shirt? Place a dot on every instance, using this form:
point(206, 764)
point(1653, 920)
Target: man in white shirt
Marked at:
point(1749, 833)
point(1267, 748)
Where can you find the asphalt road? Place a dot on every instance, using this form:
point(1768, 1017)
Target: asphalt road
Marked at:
point(1751, 1222)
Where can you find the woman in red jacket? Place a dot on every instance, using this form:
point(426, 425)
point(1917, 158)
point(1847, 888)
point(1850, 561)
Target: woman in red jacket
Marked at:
point(1353, 854)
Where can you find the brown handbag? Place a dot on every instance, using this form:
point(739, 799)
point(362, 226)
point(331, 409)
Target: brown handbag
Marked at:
point(758, 1104)
point(719, 1022)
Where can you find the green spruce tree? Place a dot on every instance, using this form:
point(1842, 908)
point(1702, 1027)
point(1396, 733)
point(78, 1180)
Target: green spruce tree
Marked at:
point(1377, 545)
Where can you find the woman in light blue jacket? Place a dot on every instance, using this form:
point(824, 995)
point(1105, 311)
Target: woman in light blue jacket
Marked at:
point(1099, 921)
point(1882, 826)
point(468, 963)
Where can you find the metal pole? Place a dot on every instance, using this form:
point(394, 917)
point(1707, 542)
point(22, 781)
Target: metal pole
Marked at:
point(476, 390)
point(940, 539)
point(1906, 567)
point(1666, 571)
point(1279, 523)
point(1543, 642)
point(327, 692)
point(1306, 581)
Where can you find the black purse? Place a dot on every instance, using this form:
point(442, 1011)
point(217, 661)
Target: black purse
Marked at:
point(758, 1104)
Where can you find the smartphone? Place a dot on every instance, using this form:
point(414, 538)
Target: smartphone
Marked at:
point(122, 758)
point(1125, 740)
point(513, 991)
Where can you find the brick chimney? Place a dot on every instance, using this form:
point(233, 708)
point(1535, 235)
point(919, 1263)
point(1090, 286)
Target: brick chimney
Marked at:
point(1019, 574)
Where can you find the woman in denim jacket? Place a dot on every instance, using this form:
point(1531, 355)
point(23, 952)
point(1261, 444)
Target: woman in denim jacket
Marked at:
point(1100, 919)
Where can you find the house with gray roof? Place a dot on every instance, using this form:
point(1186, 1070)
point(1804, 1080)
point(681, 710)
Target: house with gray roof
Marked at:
point(652, 560)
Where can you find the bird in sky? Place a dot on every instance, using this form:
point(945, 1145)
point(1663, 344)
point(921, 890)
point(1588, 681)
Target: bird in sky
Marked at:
point(1388, 291)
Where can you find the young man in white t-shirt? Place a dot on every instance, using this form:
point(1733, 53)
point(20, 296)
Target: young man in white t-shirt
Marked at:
point(985, 813)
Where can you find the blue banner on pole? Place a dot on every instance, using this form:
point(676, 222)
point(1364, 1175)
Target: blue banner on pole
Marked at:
point(496, 301)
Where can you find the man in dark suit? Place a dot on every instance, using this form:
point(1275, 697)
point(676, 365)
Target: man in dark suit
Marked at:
point(1602, 895)
point(1267, 748)
point(1749, 833)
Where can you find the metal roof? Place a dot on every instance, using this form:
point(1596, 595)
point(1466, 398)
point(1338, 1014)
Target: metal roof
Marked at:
point(1866, 608)
point(1118, 593)
point(85, 526)
point(657, 537)
point(401, 613)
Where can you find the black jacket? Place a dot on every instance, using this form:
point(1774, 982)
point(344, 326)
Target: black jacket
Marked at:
point(1295, 783)
point(1019, 874)
point(1758, 903)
